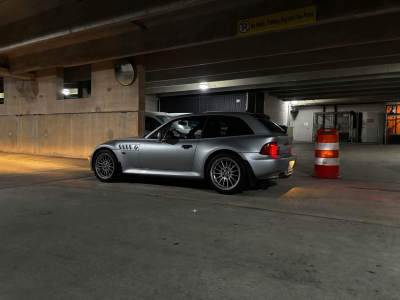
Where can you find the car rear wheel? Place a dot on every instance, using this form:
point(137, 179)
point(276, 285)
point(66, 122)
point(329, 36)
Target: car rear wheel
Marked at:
point(105, 166)
point(226, 174)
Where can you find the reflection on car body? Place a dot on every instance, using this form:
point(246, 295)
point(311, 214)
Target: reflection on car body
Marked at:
point(227, 149)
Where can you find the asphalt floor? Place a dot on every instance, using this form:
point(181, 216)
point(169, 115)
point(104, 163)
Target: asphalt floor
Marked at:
point(65, 235)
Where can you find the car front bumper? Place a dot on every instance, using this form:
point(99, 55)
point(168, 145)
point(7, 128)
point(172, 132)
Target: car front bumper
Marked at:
point(271, 166)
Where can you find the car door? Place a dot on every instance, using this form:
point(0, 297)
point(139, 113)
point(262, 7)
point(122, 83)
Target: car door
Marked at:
point(178, 147)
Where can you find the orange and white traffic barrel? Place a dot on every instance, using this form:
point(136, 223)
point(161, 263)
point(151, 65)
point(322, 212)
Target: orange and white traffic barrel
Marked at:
point(326, 162)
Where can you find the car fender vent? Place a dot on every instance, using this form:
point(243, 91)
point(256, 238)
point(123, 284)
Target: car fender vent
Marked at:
point(128, 147)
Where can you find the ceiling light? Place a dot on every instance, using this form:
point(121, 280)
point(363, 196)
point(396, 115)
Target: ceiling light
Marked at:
point(66, 92)
point(203, 86)
point(294, 102)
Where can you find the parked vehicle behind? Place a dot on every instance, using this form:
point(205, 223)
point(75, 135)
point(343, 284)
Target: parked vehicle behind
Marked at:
point(227, 149)
point(154, 119)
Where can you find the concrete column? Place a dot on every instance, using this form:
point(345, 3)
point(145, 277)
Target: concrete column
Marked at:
point(140, 83)
point(276, 109)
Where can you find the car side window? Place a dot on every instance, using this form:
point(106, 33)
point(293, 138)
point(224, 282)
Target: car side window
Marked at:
point(224, 126)
point(186, 128)
point(150, 124)
point(183, 128)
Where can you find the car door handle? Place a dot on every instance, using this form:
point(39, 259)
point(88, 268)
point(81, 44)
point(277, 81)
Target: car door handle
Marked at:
point(187, 146)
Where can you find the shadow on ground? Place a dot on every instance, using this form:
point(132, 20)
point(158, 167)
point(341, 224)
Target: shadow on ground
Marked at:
point(187, 183)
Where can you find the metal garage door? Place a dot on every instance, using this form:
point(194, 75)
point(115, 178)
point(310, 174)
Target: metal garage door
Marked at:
point(203, 103)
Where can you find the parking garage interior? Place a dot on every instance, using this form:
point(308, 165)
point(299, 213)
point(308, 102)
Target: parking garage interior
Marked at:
point(68, 236)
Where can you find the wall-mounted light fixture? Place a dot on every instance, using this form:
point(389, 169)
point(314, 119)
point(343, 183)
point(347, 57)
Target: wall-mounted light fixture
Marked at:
point(66, 92)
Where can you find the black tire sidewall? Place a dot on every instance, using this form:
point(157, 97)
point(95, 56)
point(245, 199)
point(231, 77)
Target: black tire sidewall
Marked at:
point(114, 176)
point(242, 181)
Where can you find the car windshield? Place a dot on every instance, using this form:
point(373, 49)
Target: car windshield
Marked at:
point(164, 119)
point(272, 126)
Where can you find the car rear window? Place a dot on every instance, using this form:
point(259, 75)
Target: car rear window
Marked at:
point(272, 126)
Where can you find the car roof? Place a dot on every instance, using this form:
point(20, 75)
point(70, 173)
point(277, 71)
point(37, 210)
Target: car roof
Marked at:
point(157, 113)
point(249, 118)
point(224, 113)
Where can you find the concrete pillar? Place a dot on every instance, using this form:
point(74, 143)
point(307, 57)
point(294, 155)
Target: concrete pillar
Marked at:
point(140, 82)
point(276, 109)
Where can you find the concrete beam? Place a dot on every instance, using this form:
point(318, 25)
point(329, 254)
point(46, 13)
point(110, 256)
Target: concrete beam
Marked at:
point(74, 17)
point(149, 21)
point(24, 76)
point(203, 30)
point(388, 51)
point(313, 37)
point(283, 84)
point(265, 82)
point(318, 91)
point(345, 101)
point(338, 85)
point(299, 68)
point(339, 94)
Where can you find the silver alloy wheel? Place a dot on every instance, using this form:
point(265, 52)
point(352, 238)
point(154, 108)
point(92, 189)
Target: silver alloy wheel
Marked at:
point(225, 173)
point(105, 166)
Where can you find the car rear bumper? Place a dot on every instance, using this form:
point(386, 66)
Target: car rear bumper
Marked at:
point(270, 167)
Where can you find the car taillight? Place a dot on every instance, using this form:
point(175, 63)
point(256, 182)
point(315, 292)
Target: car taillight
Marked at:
point(270, 149)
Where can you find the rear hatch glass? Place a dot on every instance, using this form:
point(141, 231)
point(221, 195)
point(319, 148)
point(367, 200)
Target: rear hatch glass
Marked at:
point(284, 141)
point(272, 126)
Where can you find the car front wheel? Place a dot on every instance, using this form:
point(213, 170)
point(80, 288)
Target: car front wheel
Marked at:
point(226, 174)
point(105, 166)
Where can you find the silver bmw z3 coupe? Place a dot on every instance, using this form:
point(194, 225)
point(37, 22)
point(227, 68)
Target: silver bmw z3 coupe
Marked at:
point(229, 150)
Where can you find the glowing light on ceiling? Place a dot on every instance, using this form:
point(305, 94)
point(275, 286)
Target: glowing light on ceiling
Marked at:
point(203, 86)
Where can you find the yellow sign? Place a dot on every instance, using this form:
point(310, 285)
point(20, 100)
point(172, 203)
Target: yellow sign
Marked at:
point(280, 20)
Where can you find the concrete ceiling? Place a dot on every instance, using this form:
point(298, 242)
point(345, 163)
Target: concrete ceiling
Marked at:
point(78, 21)
point(81, 32)
point(350, 60)
point(15, 10)
point(352, 52)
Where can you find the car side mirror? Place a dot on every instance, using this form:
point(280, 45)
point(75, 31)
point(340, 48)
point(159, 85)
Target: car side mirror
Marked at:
point(159, 137)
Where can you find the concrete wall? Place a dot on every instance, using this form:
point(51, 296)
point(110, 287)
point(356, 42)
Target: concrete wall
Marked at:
point(151, 103)
point(276, 109)
point(71, 135)
point(303, 121)
point(33, 121)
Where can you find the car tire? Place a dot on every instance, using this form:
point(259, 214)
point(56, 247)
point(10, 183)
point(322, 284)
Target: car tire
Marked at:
point(105, 166)
point(226, 173)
